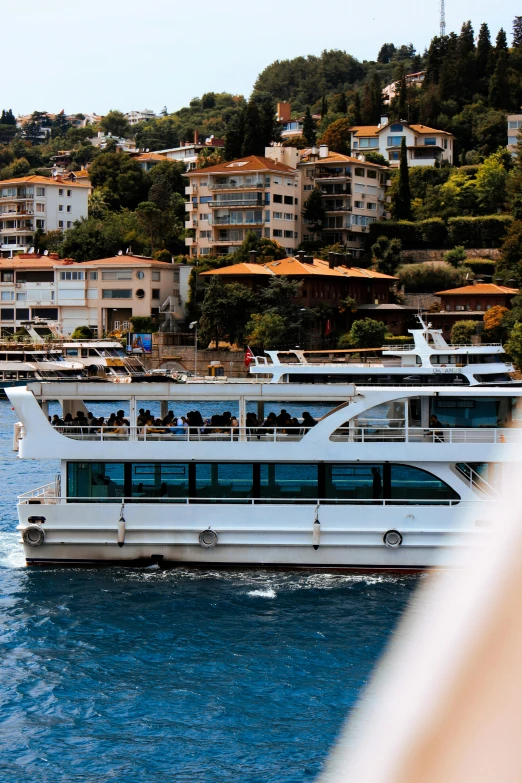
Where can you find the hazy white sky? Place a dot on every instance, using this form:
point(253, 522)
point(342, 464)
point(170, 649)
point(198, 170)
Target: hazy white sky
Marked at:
point(124, 54)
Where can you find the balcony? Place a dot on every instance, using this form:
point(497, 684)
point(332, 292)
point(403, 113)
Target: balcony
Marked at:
point(338, 209)
point(190, 189)
point(237, 186)
point(30, 197)
point(20, 230)
point(227, 221)
point(246, 203)
point(189, 206)
point(191, 224)
point(332, 176)
point(346, 191)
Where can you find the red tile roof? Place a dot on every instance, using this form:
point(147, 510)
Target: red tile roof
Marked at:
point(489, 289)
point(35, 179)
point(293, 267)
point(244, 165)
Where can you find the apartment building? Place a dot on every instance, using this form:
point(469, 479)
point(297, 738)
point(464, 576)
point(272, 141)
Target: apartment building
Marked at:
point(426, 146)
point(188, 153)
point(31, 203)
point(412, 80)
point(514, 127)
point(101, 294)
point(227, 201)
point(133, 117)
point(354, 192)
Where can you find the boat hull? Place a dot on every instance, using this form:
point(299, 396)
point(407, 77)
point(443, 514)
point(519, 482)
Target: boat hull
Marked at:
point(255, 535)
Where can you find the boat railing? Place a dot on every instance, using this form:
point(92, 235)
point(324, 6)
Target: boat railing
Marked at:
point(440, 348)
point(174, 433)
point(454, 435)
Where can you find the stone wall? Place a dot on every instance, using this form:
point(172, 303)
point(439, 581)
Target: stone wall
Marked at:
point(419, 256)
point(233, 361)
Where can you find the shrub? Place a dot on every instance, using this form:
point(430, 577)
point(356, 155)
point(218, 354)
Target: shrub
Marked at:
point(401, 339)
point(431, 232)
point(82, 333)
point(463, 331)
point(488, 231)
point(429, 277)
point(143, 324)
point(481, 266)
point(365, 333)
point(456, 256)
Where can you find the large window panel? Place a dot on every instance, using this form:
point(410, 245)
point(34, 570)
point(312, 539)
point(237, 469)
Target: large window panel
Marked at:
point(232, 481)
point(289, 481)
point(410, 484)
point(358, 481)
point(160, 481)
point(102, 480)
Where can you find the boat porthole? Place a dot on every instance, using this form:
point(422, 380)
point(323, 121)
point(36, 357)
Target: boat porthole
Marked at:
point(33, 535)
point(208, 538)
point(392, 539)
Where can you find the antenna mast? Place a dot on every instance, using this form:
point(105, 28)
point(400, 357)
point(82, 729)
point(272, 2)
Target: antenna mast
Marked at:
point(442, 19)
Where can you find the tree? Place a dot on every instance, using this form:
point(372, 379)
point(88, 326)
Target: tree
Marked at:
point(430, 277)
point(495, 323)
point(514, 344)
point(366, 333)
point(463, 331)
point(386, 53)
point(266, 249)
point(309, 128)
point(510, 264)
point(337, 136)
point(208, 157)
point(123, 180)
point(314, 211)
point(115, 123)
point(82, 333)
point(499, 91)
point(234, 137)
point(97, 204)
point(342, 104)
point(143, 324)
point(401, 105)
point(372, 101)
point(150, 218)
point(324, 106)
point(8, 118)
point(456, 256)
point(225, 311)
point(483, 54)
point(356, 109)
point(266, 331)
point(33, 130)
point(253, 140)
point(387, 253)
point(491, 179)
point(92, 238)
point(402, 204)
point(376, 157)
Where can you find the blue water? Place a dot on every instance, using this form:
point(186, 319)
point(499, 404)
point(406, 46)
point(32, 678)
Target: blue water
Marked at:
point(145, 676)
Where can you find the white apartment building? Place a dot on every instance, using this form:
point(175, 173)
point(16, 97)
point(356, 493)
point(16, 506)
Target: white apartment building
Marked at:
point(354, 193)
point(102, 294)
point(133, 117)
point(227, 201)
point(188, 153)
point(426, 146)
point(514, 127)
point(31, 203)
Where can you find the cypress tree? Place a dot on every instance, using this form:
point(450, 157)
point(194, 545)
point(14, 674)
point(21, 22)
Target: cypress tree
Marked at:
point(466, 62)
point(357, 109)
point(309, 128)
point(499, 93)
point(402, 208)
point(376, 97)
point(401, 106)
point(234, 136)
point(501, 42)
point(483, 53)
point(324, 106)
point(342, 105)
point(253, 140)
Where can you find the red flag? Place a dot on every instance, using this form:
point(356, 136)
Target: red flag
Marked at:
point(249, 358)
point(328, 328)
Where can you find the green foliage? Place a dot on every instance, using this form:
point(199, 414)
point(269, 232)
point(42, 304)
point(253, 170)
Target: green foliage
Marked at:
point(314, 211)
point(402, 205)
point(266, 249)
point(365, 333)
point(337, 136)
point(376, 157)
point(123, 180)
point(266, 331)
point(481, 267)
point(309, 131)
point(93, 238)
point(143, 324)
point(115, 123)
point(225, 312)
point(82, 333)
point(463, 331)
point(510, 264)
point(387, 253)
point(514, 344)
point(400, 339)
point(430, 277)
point(455, 257)
point(488, 231)
point(424, 233)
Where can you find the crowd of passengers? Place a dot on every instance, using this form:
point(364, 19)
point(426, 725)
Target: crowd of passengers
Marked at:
point(193, 423)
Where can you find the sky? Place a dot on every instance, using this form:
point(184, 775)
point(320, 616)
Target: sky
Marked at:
point(125, 54)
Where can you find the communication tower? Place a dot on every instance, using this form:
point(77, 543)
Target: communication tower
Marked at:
point(442, 19)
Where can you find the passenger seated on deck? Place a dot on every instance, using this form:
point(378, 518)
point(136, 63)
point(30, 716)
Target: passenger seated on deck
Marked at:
point(121, 415)
point(56, 421)
point(438, 435)
point(308, 421)
point(120, 428)
point(267, 428)
point(68, 420)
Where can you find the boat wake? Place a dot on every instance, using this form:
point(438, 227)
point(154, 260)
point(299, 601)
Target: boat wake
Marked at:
point(11, 553)
point(269, 592)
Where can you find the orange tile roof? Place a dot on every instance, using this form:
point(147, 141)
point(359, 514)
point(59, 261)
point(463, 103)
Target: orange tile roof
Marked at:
point(425, 129)
point(293, 267)
point(251, 163)
point(128, 261)
point(150, 156)
point(338, 157)
point(365, 130)
point(480, 288)
point(35, 179)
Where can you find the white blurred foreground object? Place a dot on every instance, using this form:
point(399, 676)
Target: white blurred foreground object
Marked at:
point(446, 703)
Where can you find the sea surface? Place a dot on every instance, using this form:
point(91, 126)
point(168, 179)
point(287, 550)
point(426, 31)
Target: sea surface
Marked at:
point(145, 676)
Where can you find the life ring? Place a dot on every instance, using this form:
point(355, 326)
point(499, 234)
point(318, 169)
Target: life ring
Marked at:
point(392, 539)
point(208, 538)
point(33, 535)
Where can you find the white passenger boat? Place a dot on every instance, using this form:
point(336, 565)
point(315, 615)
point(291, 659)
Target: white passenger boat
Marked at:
point(429, 360)
point(21, 364)
point(104, 358)
point(390, 477)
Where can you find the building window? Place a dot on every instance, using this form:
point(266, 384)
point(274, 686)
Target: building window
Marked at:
point(40, 223)
point(21, 296)
point(7, 314)
point(40, 191)
point(7, 277)
point(289, 234)
point(358, 204)
point(155, 293)
point(289, 216)
point(93, 275)
point(278, 215)
point(69, 193)
point(371, 174)
point(277, 199)
point(359, 172)
point(205, 199)
point(6, 296)
point(396, 128)
point(60, 191)
point(117, 274)
point(70, 275)
point(431, 142)
point(60, 224)
point(40, 207)
point(69, 224)
point(289, 200)
point(156, 274)
point(395, 141)
point(308, 187)
point(117, 293)
point(60, 207)
point(267, 216)
point(371, 206)
point(69, 208)
point(277, 232)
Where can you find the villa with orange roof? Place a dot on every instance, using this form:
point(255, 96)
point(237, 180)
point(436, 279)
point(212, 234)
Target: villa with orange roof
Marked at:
point(32, 203)
point(229, 200)
point(469, 303)
point(426, 146)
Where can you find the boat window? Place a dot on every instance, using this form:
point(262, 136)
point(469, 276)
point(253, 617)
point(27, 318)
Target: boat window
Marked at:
point(229, 480)
point(95, 480)
point(363, 481)
point(160, 480)
point(483, 412)
point(409, 483)
point(291, 480)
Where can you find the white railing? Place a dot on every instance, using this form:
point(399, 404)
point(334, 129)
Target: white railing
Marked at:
point(174, 433)
point(440, 348)
point(454, 435)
